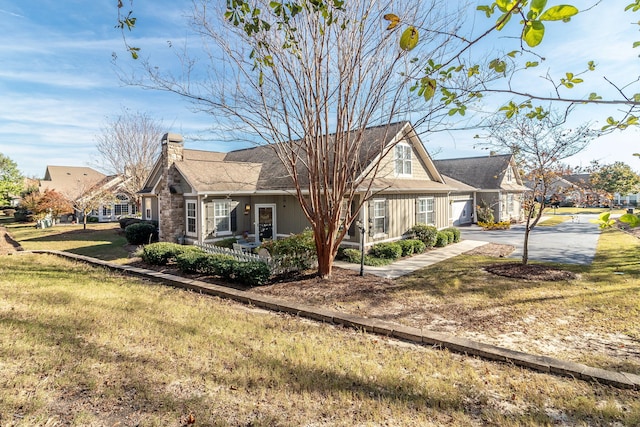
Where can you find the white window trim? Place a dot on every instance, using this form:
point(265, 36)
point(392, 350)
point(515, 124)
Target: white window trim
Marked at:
point(187, 217)
point(396, 159)
point(228, 216)
point(148, 213)
point(376, 233)
point(426, 211)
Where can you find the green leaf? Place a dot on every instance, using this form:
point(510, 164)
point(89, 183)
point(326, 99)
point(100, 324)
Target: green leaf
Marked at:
point(636, 97)
point(427, 88)
point(538, 5)
point(594, 96)
point(559, 13)
point(636, 44)
point(409, 39)
point(512, 54)
point(533, 33)
point(530, 64)
point(630, 219)
point(505, 5)
point(498, 66)
point(502, 21)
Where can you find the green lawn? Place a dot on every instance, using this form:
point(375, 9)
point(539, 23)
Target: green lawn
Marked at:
point(82, 346)
point(103, 241)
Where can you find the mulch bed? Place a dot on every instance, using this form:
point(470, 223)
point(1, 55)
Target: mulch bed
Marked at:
point(518, 270)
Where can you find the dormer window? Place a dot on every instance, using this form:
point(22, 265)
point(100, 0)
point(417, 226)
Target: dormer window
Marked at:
point(403, 160)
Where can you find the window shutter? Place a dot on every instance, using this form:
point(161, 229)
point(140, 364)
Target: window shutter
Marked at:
point(233, 209)
point(352, 227)
point(417, 211)
point(386, 216)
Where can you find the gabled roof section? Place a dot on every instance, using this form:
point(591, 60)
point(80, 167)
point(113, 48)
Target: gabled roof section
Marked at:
point(218, 176)
point(483, 173)
point(70, 180)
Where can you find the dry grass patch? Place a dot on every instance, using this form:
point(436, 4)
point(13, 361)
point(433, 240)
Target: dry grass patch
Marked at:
point(82, 346)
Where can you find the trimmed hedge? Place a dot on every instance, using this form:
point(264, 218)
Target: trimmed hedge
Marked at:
point(388, 250)
point(253, 273)
point(139, 233)
point(412, 246)
point(442, 239)
point(161, 253)
point(226, 243)
point(425, 233)
point(351, 255)
point(456, 234)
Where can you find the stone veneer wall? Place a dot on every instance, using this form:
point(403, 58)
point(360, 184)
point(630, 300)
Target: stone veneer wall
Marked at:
point(171, 205)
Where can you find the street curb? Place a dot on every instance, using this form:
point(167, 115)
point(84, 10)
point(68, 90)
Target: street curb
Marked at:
point(464, 346)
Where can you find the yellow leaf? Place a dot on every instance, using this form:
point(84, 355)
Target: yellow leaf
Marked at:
point(393, 19)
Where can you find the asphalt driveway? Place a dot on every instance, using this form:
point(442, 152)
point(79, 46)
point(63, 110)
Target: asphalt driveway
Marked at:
point(572, 242)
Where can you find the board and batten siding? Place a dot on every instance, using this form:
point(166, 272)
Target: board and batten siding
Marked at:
point(401, 213)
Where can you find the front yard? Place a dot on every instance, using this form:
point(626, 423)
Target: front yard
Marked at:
point(85, 346)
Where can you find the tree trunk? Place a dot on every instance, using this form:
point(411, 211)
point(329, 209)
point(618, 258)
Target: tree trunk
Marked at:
point(525, 249)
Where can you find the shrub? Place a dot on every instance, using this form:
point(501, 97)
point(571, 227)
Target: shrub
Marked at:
point(23, 215)
point(390, 250)
point(442, 239)
point(139, 233)
point(219, 265)
point(425, 233)
point(503, 225)
point(294, 253)
point(351, 255)
point(190, 259)
point(449, 234)
point(484, 212)
point(125, 222)
point(412, 246)
point(93, 219)
point(253, 273)
point(160, 253)
point(456, 234)
point(226, 243)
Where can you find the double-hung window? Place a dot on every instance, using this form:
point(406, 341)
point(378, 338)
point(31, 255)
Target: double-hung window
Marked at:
point(403, 160)
point(191, 217)
point(424, 211)
point(121, 207)
point(222, 217)
point(379, 217)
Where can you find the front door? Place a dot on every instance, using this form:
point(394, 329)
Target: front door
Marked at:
point(265, 222)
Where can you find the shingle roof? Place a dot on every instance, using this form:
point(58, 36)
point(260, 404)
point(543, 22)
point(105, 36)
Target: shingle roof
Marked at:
point(70, 180)
point(485, 173)
point(274, 176)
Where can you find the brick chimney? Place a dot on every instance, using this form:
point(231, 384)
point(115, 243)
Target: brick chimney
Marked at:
point(170, 199)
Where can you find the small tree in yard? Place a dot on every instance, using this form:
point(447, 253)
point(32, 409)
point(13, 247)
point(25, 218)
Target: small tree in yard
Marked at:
point(49, 202)
point(616, 178)
point(11, 180)
point(90, 202)
point(539, 143)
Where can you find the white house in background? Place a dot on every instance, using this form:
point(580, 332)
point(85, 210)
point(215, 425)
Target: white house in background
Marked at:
point(75, 182)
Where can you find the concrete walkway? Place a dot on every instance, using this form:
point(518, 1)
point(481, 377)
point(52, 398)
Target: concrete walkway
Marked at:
point(408, 265)
point(389, 329)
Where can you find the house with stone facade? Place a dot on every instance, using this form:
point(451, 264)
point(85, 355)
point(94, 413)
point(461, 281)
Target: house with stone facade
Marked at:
point(496, 181)
point(203, 196)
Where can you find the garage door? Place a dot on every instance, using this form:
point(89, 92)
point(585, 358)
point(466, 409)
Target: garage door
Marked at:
point(462, 210)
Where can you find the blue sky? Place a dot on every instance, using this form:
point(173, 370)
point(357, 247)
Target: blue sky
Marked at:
point(59, 86)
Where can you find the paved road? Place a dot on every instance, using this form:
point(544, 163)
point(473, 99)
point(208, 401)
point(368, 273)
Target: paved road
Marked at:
point(567, 243)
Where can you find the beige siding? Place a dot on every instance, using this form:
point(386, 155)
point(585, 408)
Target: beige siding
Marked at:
point(401, 214)
point(418, 168)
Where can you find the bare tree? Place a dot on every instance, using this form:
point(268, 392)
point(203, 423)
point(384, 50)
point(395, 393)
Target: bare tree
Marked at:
point(309, 82)
point(539, 144)
point(128, 146)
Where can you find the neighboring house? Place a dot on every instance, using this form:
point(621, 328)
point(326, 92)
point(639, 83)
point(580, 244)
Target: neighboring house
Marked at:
point(75, 182)
point(206, 196)
point(496, 182)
